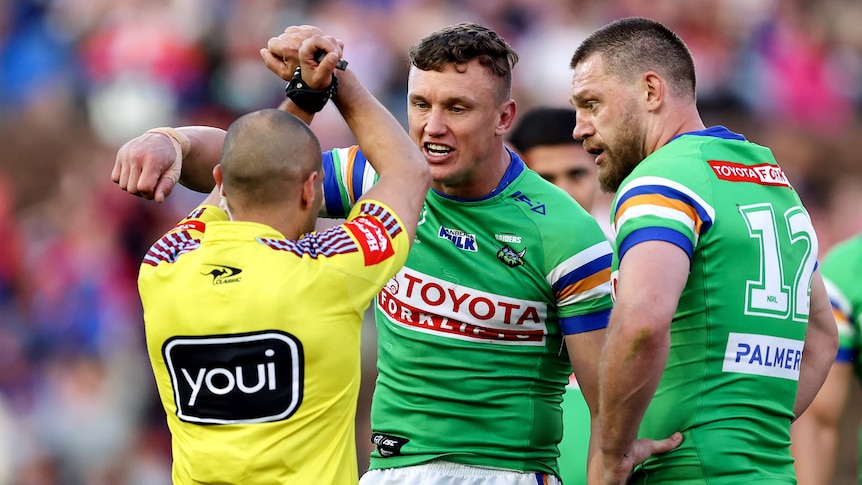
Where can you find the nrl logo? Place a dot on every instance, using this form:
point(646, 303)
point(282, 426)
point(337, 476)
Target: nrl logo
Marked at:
point(511, 258)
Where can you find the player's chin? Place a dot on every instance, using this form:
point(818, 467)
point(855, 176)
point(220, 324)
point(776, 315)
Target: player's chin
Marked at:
point(444, 174)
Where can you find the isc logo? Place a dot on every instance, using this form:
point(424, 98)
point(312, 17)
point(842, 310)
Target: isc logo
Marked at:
point(241, 378)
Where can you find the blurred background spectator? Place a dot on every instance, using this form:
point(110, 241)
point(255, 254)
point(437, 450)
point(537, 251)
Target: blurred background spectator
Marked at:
point(80, 77)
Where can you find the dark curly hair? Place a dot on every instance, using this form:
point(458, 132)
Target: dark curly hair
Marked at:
point(461, 43)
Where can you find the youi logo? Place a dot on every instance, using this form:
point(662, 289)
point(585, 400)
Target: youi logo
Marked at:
point(244, 378)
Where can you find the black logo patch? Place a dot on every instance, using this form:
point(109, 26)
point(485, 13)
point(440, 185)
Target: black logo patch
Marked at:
point(388, 445)
point(224, 274)
point(242, 378)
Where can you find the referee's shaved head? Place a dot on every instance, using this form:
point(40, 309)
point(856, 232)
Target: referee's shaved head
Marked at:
point(266, 157)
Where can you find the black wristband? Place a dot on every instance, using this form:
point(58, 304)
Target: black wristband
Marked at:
point(307, 99)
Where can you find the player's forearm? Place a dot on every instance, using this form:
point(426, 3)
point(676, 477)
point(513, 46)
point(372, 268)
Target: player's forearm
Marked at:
point(632, 365)
point(382, 138)
point(594, 455)
point(814, 440)
point(289, 107)
point(817, 356)
point(204, 154)
point(584, 351)
point(814, 449)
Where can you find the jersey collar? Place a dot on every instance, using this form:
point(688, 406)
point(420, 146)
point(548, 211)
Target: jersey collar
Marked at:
point(717, 131)
point(516, 167)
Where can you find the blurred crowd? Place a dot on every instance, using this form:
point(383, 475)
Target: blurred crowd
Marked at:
point(80, 77)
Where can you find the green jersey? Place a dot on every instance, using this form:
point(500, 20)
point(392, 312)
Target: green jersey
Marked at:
point(472, 365)
point(842, 271)
point(738, 332)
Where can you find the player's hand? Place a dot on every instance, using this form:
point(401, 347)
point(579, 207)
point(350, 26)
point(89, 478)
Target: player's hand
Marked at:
point(617, 472)
point(148, 166)
point(281, 54)
point(316, 71)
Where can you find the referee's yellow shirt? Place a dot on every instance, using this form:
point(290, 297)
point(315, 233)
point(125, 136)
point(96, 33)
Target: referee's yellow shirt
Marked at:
point(254, 343)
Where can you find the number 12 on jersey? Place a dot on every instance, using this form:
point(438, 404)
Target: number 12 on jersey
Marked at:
point(773, 294)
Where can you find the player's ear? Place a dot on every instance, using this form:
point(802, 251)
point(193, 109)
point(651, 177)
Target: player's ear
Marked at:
point(653, 89)
point(506, 117)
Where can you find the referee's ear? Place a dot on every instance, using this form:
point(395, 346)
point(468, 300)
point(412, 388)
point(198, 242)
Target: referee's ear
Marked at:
point(216, 196)
point(308, 196)
point(218, 176)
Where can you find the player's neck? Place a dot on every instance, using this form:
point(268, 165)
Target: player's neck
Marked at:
point(683, 120)
point(483, 179)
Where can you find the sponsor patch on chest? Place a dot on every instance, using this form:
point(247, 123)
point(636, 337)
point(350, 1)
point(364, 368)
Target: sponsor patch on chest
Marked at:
point(462, 240)
point(428, 304)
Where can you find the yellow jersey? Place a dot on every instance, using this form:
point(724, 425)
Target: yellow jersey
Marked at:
point(254, 343)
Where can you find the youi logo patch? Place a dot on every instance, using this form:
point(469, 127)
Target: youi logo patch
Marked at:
point(230, 379)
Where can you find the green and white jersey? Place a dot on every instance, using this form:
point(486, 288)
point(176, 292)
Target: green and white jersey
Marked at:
point(738, 332)
point(472, 365)
point(842, 273)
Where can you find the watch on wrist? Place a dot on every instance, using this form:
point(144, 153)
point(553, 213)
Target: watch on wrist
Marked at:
point(305, 98)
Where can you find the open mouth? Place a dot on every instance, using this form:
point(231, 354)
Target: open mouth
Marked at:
point(437, 150)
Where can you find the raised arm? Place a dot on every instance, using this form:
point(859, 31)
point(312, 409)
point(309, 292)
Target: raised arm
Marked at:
point(281, 56)
point(404, 177)
point(151, 164)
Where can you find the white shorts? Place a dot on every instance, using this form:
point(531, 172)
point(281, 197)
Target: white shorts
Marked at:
point(448, 473)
